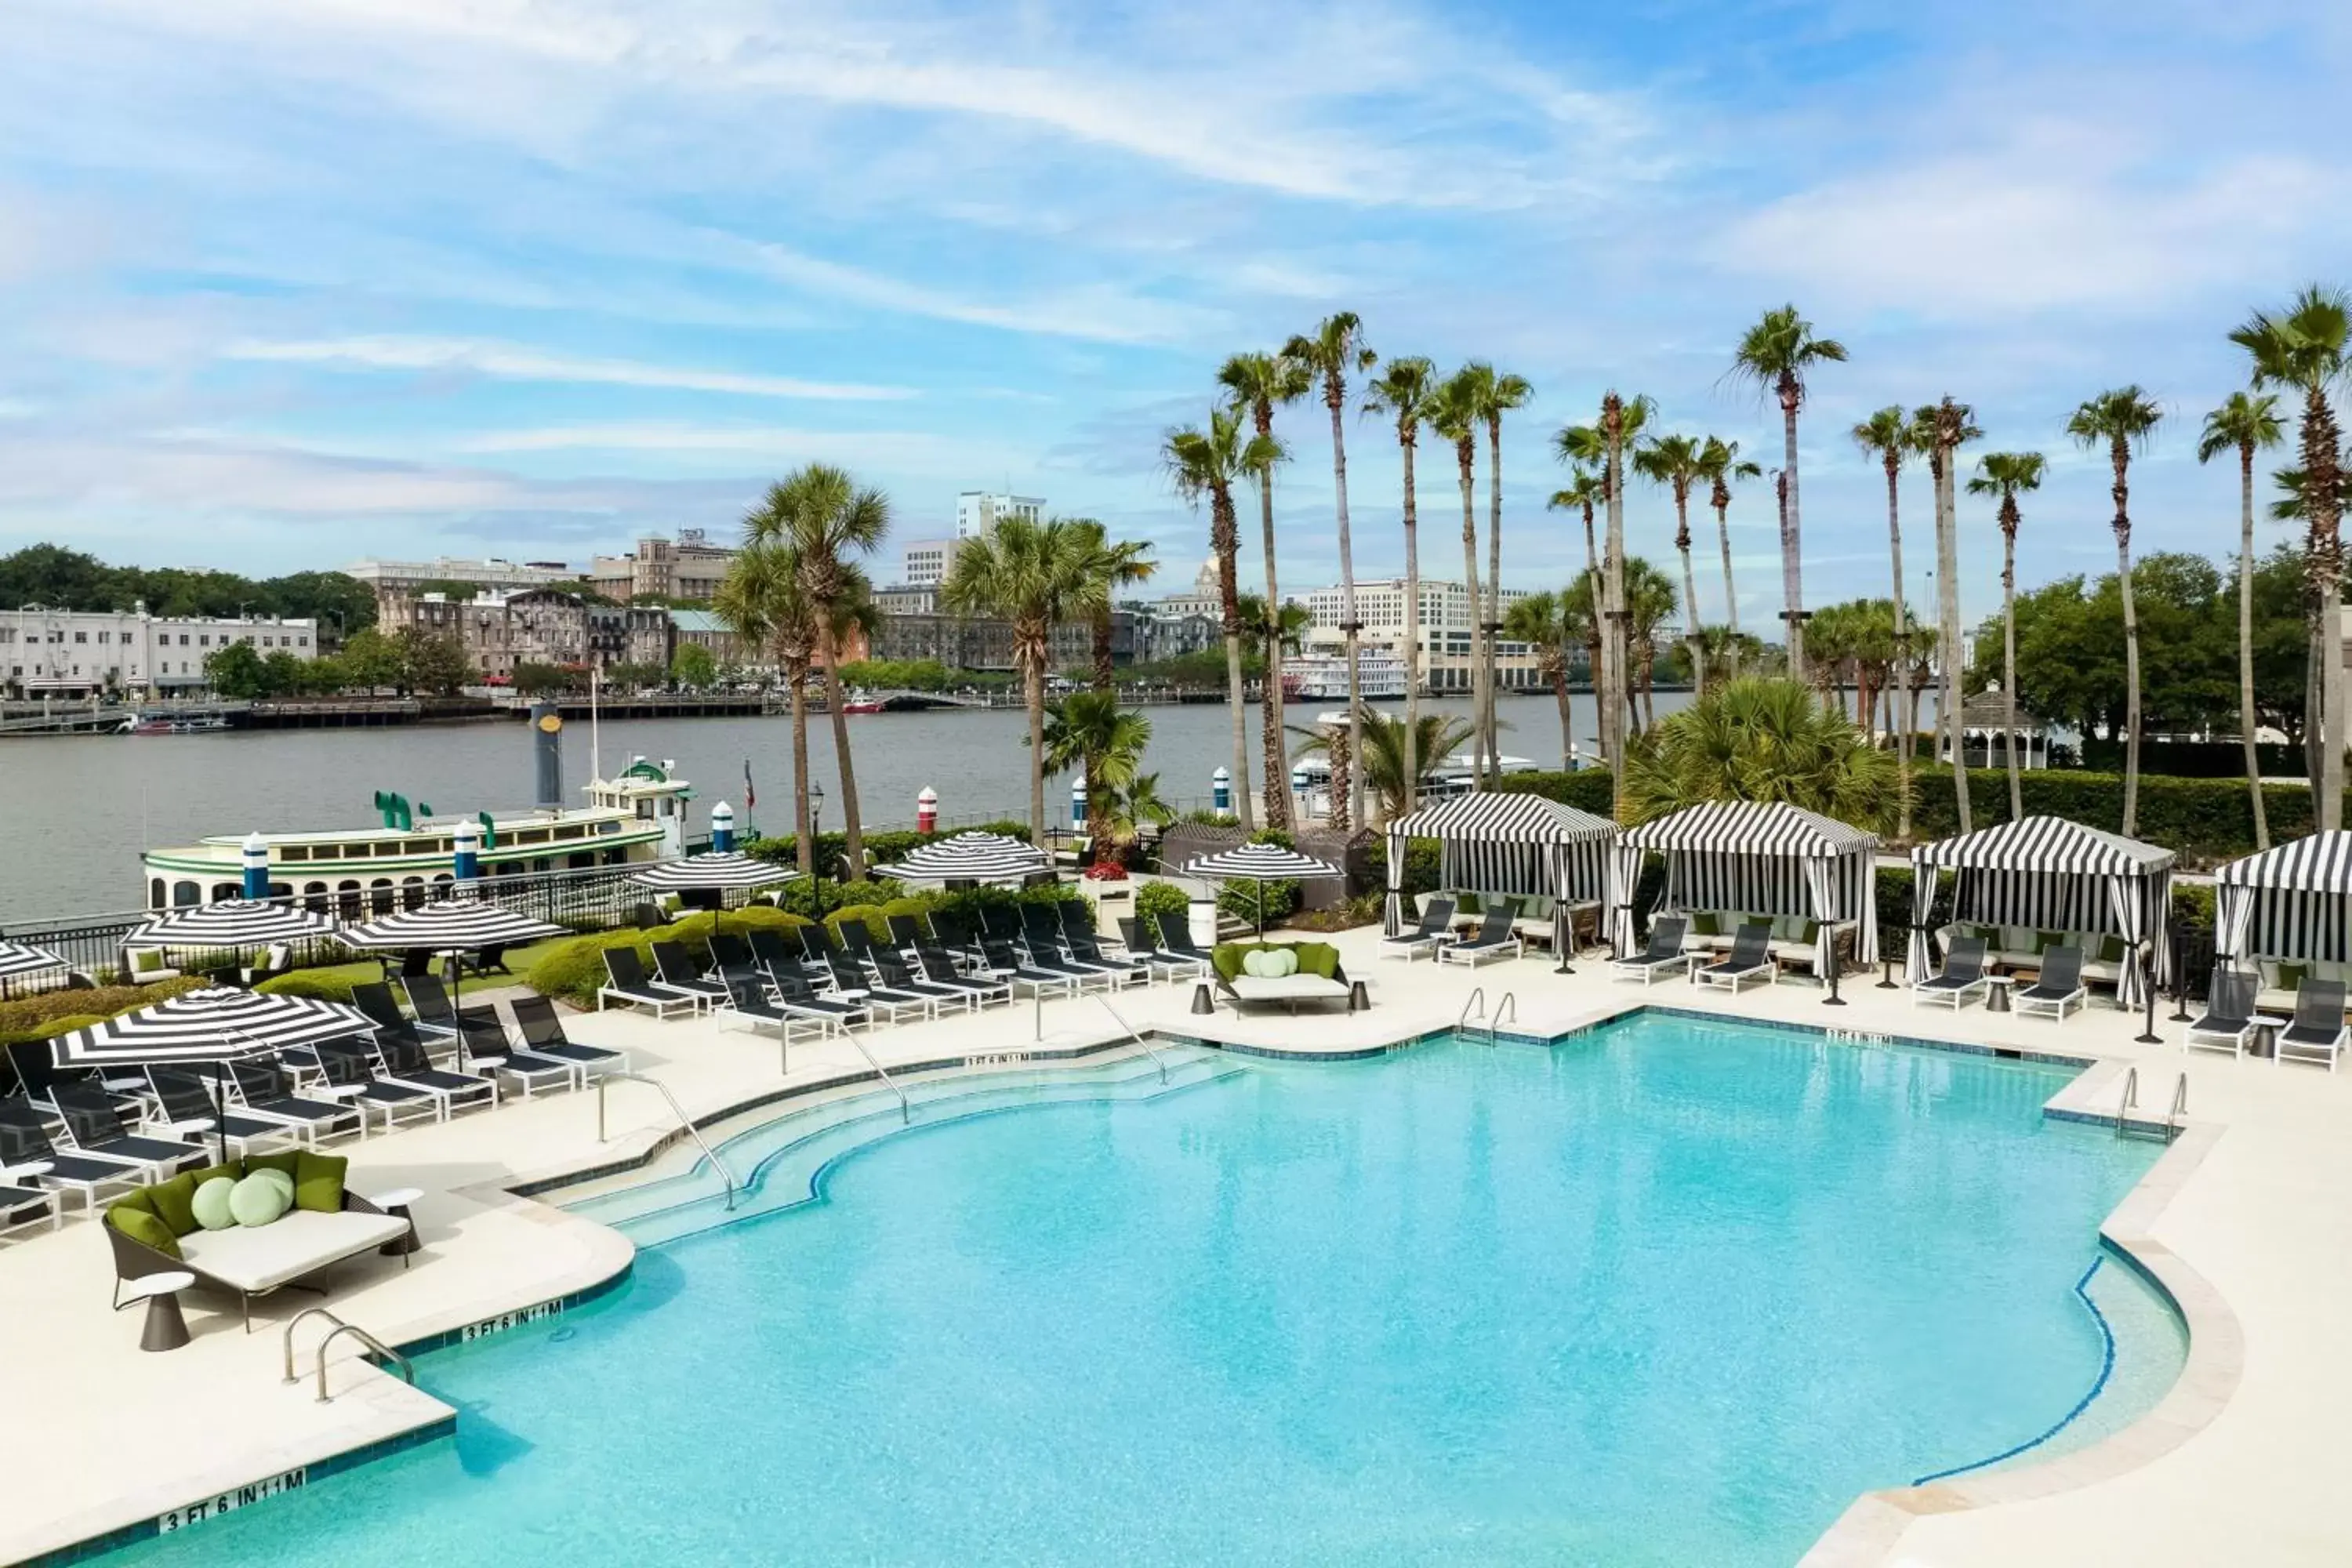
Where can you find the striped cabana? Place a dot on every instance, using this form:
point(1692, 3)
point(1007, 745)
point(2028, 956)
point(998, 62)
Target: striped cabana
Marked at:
point(1764, 857)
point(2292, 902)
point(1509, 844)
point(2049, 874)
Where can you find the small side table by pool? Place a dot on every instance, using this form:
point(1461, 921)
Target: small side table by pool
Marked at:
point(165, 1329)
point(395, 1204)
point(1997, 992)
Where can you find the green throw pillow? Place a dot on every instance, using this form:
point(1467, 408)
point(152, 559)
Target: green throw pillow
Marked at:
point(1808, 932)
point(1319, 959)
point(2044, 941)
point(211, 1203)
point(142, 1226)
point(1706, 925)
point(1226, 960)
point(175, 1203)
point(258, 1199)
point(286, 1160)
point(318, 1181)
point(2291, 976)
point(232, 1170)
point(145, 960)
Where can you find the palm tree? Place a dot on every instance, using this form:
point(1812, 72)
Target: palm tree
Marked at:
point(1543, 622)
point(1719, 463)
point(1586, 492)
point(1291, 624)
point(1498, 394)
point(1090, 731)
point(2119, 419)
point(1119, 565)
point(2246, 423)
point(1253, 383)
point(1940, 428)
point(2305, 348)
point(1126, 809)
point(1454, 413)
point(1033, 575)
point(760, 600)
point(1601, 446)
point(1335, 349)
point(1759, 740)
point(1888, 436)
point(828, 521)
point(1402, 391)
point(1210, 463)
point(1392, 748)
point(1673, 461)
point(1776, 355)
point(2294, 505)
point(2009, 475)
point(1649, 605)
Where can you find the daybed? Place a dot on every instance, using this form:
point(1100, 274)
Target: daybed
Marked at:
point(1317, 978)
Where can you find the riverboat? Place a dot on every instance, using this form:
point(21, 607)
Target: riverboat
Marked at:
point(638, 816)
point(1323, 677)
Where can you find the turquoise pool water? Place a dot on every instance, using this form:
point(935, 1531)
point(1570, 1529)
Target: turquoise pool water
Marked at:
point(1671, 1292)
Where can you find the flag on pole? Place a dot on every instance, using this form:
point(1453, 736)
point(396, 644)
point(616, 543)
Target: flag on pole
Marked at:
point(750, 795)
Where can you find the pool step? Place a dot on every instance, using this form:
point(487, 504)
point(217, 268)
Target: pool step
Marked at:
point(778, 1162)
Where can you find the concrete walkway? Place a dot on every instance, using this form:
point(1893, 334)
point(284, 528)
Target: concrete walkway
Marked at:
point(2243, 1221)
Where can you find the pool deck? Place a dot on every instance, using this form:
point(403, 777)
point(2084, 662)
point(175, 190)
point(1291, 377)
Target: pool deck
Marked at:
point(2244, 1220)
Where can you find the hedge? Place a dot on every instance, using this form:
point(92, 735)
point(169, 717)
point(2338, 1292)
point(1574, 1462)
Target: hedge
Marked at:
point(1589, 789)
point(2207, 821)
point(324, 984)
point(1155, 899)
point(574, 971)
point(46, 1014)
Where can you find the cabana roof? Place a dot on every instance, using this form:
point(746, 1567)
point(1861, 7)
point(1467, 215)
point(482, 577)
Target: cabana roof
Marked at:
point(1750, 827)
point(2049, 845)
point(2321, 863)
point(1504, 818)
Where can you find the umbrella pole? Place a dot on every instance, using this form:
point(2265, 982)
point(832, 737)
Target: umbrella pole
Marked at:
point(220, 1114)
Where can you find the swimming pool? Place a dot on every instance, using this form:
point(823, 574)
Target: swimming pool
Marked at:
point(1671, 1292)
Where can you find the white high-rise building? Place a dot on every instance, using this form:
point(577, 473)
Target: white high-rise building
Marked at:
point(978, 512)
point(925, 563)
point(76, 653)
point(1445, 629)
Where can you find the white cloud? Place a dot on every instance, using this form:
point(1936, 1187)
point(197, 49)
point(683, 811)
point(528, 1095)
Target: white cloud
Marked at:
point(894, 449)
point(515, 362)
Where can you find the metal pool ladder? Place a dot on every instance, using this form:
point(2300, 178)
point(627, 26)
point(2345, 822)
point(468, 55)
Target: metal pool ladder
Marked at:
point(1158, 1061)
point(338, 1332)
point(2171, 1128)
point(683, 1121)
point(1505, 1009)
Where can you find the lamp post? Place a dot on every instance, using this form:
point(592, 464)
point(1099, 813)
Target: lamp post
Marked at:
point(816, 855)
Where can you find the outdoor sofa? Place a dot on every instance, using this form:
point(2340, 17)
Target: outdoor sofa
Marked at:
point(2011, 947)
point(1792, 940)
point(1318, 978)
point(153, 1230)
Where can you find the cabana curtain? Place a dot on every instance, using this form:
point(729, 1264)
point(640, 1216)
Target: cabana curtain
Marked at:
point(1509, 844)
point(2049, 874)
point(2293, 901)
point(1757, 858)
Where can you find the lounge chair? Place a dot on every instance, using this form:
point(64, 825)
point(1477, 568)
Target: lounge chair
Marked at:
point(630, 983)
point(850, 982)
point(674, 969)
point(542, 1034)
point(798, 996)
point(404, 1061)
point(1086, 948)
point(899, 980)
point(27, 1155)
point(2228, 1021)
point(729, 951)
point(1963, 975)
point(940, 969)
point(1665, 955)
point(1044, 953)
point(480, 1036)
point(906, 931)
point(1495, 939)
point(488, 1049)
point(373, 998)
point(97, 1128)
point(350, 1068)
point(2317, 1033)
point(748, 1003)
point(1004, 966)
point(2059, 986)
point(21, 1206)
point(1176, 936)
point(267, 1090)
point(999, 924)
point(1435, 930)
point(1750, 955)
point(1162, 963)
point(185, 1102)
point(773, 944)
point(955, 934)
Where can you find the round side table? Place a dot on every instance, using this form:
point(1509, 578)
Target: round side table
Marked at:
point(395, 1204)
point(165, 1329)
point(1997, 992)
point(1202, 1000)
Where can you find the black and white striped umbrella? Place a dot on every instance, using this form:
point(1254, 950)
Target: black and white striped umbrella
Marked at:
point(1259, 863)
point(970, 857)
point(17, 960)
point(216, 1024)
point(450, 924)
point(232, 923)
point(713, 872)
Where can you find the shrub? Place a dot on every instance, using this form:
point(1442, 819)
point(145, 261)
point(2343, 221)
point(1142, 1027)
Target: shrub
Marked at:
point(1155, 899)
point(41, 1015)
point(1593, 790)
point(327, 985)
point(573, 970)
point(1240, 900)
point(1424, 864)
point(2207, 821)
point(867, 915)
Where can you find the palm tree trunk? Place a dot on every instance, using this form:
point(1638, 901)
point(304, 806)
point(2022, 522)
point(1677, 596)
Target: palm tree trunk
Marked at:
point(1731, 594)
point(1350, 786)
point(1900, 713)
point(1690, 594)
point(2246, 641)
point(2322, 463)
point(1412, 780)
point(2314, 721)
point(2009, 668)
point(1947, 616)
point(803, 839)
point(1236, 693)
point(1466, 460)
point(1613, 596)
point(1567, 722)
point(1104, 677)
point(1278, 763)
point(851, 828)
point(1494, 594)
point(1033, 697)
point(1792, 552)
point(2122, 458)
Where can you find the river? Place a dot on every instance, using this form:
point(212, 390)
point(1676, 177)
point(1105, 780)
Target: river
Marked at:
point(82, 807)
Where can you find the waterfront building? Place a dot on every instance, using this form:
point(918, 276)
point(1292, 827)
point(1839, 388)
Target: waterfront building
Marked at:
point(978, 512)
point(85, 653)
point(1160, 636)
point(691, 568)
point(980, 643)
point(544, 626)
point(924, 562)
point(507, 576)
point(1446, 631)
point(702, 629)
point(1204, 598)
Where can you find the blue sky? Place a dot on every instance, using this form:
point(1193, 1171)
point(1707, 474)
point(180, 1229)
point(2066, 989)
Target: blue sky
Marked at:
point(292, 281)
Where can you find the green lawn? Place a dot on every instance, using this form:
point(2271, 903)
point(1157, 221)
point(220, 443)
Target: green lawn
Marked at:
point(518, 958)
